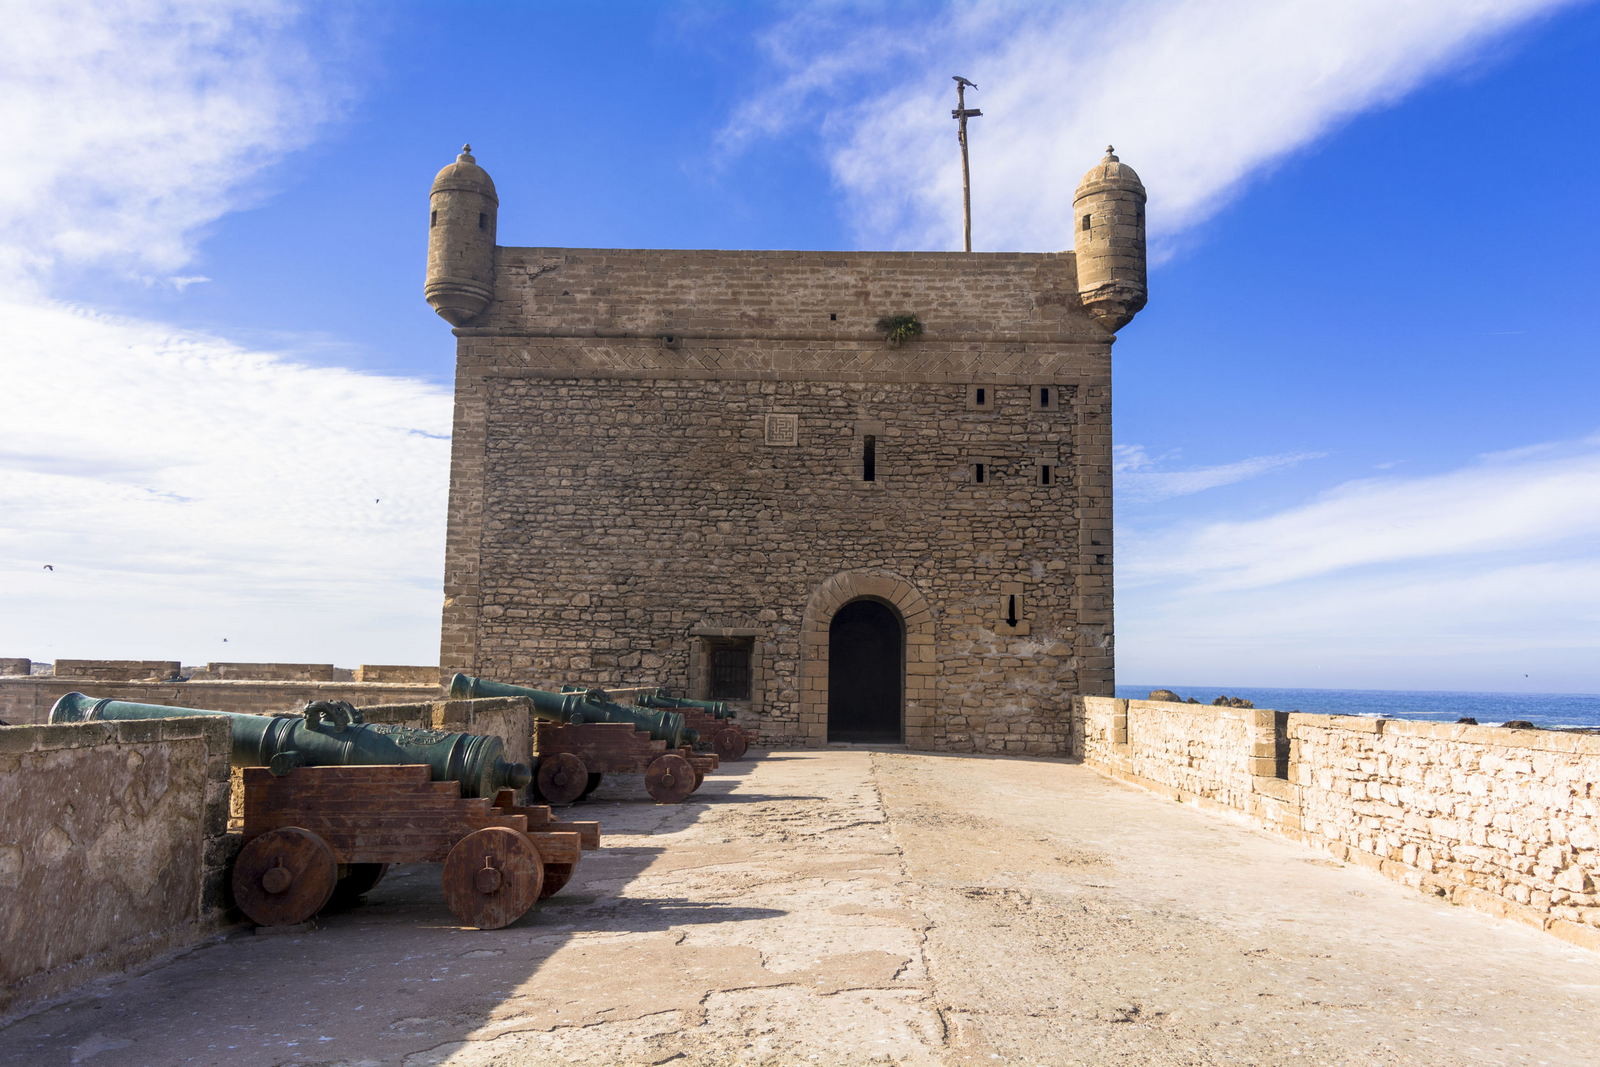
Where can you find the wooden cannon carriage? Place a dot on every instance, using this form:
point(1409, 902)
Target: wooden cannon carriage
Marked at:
point(573, 757)
point(321, 834)
point(581, 735)
point(711, 720)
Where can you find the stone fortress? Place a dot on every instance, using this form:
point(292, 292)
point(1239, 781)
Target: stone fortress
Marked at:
point(711, 470)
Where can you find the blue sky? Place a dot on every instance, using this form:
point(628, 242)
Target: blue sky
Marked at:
point(1356, 426)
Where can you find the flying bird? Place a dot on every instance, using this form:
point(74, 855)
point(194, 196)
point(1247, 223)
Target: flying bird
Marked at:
point(49, 566)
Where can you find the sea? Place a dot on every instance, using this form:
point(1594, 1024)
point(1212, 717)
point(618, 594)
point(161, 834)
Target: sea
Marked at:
point(1548, 710)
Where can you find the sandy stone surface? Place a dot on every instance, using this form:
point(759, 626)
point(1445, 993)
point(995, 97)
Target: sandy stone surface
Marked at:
point(849, 907)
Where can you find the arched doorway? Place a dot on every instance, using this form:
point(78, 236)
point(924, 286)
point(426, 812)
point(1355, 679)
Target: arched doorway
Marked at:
point(866, 672)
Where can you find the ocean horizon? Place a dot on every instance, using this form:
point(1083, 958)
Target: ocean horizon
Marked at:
point(1549, 710)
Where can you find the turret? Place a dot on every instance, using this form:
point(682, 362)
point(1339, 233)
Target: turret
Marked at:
point(461, 227)
point(1108, 210)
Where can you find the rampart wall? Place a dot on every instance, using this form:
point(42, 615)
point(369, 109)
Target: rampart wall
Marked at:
point(112, 848)
point(1505, 821)
point(28, 700)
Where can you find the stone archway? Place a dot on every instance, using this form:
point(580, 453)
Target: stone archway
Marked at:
point(866, 673)
point(921, 666)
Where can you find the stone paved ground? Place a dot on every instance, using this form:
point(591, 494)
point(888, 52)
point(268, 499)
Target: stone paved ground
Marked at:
point(847, 907)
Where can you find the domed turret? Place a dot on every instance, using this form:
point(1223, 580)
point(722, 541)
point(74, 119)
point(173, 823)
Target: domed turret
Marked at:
point(1109, 212)
point(461, 227)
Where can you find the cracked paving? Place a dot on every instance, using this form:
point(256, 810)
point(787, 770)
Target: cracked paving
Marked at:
point(856, 906)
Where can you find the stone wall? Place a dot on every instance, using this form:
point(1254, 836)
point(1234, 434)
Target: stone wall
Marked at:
point(1506, 821)
point(28, 700)
point(654, 450)
point(112, 848)
point(266, 672)
point(388, 672)
point(14, 665)
point(117, 670)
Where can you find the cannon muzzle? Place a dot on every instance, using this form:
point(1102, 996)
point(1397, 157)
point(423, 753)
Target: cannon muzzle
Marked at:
point(578, 707)
point(331, 732)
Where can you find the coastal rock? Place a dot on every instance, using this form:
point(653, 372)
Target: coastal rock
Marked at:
point(1166, 695)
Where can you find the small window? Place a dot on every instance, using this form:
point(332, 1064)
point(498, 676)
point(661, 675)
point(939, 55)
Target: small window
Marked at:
point(980, 472)
point(1047, 474)
point(433, 219)
point(1045, 397)
point(869, 458)
point(980, 397)
point(483, 221)
point(1086, 223)
point(729, 668)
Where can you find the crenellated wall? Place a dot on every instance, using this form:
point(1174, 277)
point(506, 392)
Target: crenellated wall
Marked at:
point(28, 700)
point(1505, 821)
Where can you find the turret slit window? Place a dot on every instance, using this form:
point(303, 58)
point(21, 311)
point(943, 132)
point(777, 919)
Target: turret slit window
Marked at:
point(483, 221)
point(433, 219)
point(1086, 223)
point(869, 458)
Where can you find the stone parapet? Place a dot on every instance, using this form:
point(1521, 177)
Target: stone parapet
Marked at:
point(267, 672)
point(117, 670)
point(1505, 821)
point(113, 848)
point(28, 700)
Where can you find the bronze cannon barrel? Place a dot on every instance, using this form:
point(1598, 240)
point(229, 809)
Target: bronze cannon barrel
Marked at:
point(718, 709)
point(282, 742)
point(579, 707)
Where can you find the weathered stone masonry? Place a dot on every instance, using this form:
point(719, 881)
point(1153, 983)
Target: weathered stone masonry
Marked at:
point(657, 453)
point(1505, 821)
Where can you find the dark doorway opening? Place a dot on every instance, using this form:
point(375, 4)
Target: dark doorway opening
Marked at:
point(866, 666)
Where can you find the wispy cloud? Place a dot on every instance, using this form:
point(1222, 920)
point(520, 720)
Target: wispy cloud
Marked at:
point(193, 496)
point(184, 490)
point(1535, 502)
point(1469, 577)
point(1143, 479)
point(128, 127)
point(1198, 100)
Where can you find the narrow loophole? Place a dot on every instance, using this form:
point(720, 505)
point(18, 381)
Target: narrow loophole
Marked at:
point(869, 458)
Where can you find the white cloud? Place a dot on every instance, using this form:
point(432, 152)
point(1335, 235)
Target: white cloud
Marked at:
point(1198, 97)
point(1540, 501)
point(127, 127)
point(185, 490)
point(1468, 578)
point(1139, 479)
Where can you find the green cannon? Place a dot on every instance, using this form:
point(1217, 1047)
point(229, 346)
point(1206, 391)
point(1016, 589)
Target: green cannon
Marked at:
point(717, 709)
point(331, 733)
point(580, 707)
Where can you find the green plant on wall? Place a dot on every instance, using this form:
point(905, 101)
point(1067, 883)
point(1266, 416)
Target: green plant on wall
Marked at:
point(898, 329)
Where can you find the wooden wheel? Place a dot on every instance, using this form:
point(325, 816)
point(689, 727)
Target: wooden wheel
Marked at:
point(669, 778)
point(283, 877)
point(492, 877)
point(556, 875)
point(729, 743)
point(595, 778)
point(358, 880)
point(562, 778)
